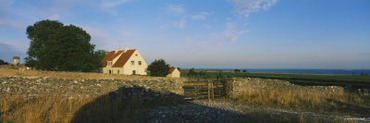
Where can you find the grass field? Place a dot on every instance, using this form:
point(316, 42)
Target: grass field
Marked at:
point(293, 77)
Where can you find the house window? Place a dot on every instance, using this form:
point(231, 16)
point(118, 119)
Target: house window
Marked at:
point(117, 71)
point(139, 63)
point(132, 62)
point(135, 54)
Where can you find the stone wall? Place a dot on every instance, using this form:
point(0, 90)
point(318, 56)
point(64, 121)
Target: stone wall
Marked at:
point(33, 86)
point(240, 86)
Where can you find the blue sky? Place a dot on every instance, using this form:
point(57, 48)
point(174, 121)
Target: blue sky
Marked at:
point(323, 34)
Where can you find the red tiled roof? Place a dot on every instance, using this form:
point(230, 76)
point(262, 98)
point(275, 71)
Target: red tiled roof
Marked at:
point(124, 58)
point(114, 56)
point(104, 61)
point(172, 69)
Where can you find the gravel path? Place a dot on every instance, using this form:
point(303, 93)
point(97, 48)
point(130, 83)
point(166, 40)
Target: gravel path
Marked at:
point(195, 111)
point(220, 111)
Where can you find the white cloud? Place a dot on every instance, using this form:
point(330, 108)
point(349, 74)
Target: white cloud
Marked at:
point(245, 7)
point(108, 39)
point(177, 9)
point(11, 23)
point(6, 3)
point(19, 46)
point(231, 33)
point(33, 11)
point(200, 16)
point(99, 37)
point(62, 4)
point(53, 16)
point(179, 24)
point(52, 9)
point(109, 5)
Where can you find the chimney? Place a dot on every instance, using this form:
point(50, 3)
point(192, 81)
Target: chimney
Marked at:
point(126, 48)
point(116, 50)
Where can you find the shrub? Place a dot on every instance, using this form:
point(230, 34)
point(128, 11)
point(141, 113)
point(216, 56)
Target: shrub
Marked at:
point(192, 73)
point(3, 62)
point(159, 68)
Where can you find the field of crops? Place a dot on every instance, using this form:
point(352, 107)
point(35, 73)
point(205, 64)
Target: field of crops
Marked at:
point(284, 76)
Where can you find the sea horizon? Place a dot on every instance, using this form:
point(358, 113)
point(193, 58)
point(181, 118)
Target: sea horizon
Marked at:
point(294, 71)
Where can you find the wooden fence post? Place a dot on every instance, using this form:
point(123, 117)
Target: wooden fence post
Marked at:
point(219, 89)
point(213, 91)
point(226, 86)
point(209, 92)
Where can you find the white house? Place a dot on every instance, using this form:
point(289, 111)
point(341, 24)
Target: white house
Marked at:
point(127, 62)
point(174, 73)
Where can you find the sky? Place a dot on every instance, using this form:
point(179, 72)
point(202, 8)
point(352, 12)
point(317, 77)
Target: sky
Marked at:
point(265, 34)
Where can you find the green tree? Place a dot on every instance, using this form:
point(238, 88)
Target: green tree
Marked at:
point(42, 36)
point(159, 68)
point(2, 62)
point(58, 47)
point(98, 57)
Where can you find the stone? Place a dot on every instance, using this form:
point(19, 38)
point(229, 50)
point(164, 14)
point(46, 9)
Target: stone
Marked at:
point(83, 87)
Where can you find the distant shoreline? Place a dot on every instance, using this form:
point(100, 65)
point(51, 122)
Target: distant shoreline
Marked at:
point(295, 71)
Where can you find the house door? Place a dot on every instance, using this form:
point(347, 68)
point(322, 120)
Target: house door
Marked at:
point(110, 71)
point(134, 72)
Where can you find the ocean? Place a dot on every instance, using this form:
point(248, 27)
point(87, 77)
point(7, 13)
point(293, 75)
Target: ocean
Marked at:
point(301, 71)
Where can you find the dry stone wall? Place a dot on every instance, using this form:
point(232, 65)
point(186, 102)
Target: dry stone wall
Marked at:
point(240, 86)
point(33, 86)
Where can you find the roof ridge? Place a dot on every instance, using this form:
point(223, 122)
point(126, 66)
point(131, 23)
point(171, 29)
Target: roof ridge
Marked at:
point(114, 55)
point(172, 69)
point(122, 60)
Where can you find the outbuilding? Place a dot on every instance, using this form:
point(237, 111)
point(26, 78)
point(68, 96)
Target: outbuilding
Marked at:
point(174, 73)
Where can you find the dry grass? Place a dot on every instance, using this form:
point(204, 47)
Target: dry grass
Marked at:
point(305, 100)
point(39, 109)
point(21, 72)
point(105, 108)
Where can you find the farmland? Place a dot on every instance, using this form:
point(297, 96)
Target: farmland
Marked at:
point(320, 79)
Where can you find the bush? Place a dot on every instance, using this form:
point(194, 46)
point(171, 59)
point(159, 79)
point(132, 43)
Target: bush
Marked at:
point(363, 74)
point(236, 70)
point(3, 62)
point(159, 68)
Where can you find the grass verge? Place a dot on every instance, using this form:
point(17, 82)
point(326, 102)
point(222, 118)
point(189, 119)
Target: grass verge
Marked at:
point(302, 100)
